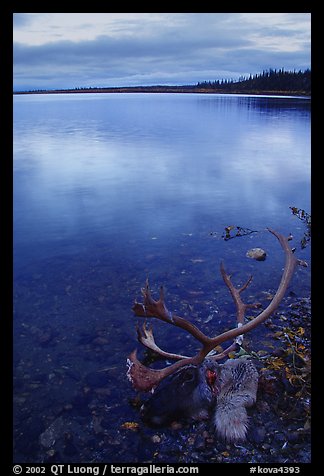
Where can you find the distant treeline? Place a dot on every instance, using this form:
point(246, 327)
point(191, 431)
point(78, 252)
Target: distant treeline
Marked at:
point(272, 80)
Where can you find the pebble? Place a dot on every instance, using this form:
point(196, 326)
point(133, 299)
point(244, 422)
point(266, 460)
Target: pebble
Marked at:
point(70, 449)
point(80, 404)
point(257, 434)
point(200, 442)
point(176, 425)
point(48, 437)
point(256, 253)
point(280, 437)
point(97, 379)
point(294, 436)
point(100, 341)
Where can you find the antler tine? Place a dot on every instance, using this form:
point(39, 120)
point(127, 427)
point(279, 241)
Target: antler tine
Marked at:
point(241, 307)
point(290, 265)
point(152, 308)
point(145, 336)
point(145, 379)
point(235, 292)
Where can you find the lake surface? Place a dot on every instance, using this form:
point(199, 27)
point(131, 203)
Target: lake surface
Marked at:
point(110, 189)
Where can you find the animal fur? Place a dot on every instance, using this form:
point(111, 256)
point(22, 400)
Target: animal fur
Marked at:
point(188, 395)
point(238, 388)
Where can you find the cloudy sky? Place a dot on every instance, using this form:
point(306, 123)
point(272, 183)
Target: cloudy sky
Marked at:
point(68, 50)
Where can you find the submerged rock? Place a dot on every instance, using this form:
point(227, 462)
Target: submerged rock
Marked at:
point(48, 438)
point(97, 379)
point(257, 253)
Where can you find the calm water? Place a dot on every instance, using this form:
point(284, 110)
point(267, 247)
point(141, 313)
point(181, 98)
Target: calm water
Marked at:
point(109, 190)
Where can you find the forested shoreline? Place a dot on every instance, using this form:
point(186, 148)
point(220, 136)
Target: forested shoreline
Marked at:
point(277, 82)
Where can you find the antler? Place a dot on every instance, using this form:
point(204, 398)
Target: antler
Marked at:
point(146, 379)
point(145, 337)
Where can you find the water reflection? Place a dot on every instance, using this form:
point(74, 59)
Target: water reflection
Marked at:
point(135, 151)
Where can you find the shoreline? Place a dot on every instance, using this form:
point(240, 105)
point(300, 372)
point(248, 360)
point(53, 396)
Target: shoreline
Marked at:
point(163, 90)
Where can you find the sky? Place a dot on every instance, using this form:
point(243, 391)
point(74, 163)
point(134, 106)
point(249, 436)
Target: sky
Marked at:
point(72, 50)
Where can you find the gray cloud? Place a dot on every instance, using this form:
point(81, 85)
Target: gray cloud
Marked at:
point(197, 47)
point(21, 19)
